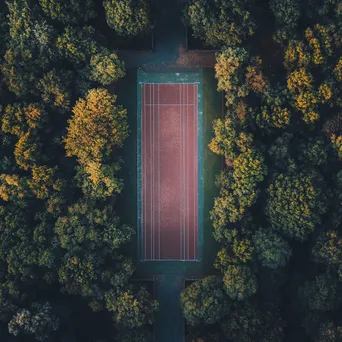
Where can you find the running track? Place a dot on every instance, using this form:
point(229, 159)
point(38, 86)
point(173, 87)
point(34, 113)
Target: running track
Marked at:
point(169, 171)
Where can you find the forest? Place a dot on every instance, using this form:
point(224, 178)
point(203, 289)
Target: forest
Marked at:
point(66, 265)
point(278, 215)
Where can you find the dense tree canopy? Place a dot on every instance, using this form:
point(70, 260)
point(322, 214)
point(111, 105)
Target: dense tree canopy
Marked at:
point(204, 301)
point(64, 250)
point(220, 22)
point(128, 17)
point(277, 216)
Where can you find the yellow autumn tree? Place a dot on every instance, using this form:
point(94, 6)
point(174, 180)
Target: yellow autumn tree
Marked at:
point(96, 127)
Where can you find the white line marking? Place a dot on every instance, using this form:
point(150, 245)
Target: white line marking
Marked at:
point(187, 172)
point(159, 167)
point(196, 165)
point(153, 197)
point(181, 178)
point(143, 157)
point(151, 223)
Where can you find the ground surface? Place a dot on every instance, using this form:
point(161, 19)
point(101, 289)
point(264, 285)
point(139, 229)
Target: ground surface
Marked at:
point(169, 56)
point(169, 171)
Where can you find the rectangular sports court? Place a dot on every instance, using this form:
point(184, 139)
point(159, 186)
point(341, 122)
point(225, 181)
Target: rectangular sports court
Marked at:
point(169, 179)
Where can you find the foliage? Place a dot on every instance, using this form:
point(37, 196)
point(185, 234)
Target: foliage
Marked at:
point(106, 68)
point(238, 189)
point(240, 282)
point(39, 321)
point(320, 294)
point(287, 14)
point(229, 70)
point(55, 88)
point(328, 249)
point(63, 248)
point(246, 323)
point(132, 310)
point(220, 22)
point(72, 11)
point(295, 204)
point(272, 251)
point(128, 17)
point(77, 44)
point(204, 301)
point(96, 127)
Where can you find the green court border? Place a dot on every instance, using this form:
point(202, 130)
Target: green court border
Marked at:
point(172, 77)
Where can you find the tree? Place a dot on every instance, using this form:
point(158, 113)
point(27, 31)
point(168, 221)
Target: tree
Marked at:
point(240, 252)
point(25, 55)
point(39, 321)
point(247, 323)
point(230, 72)
point(89, 237)
point(204, 301)
point(295, 204)
point(77, 44)
point(128, 17)
point(314, 151)
point(55, 88)
point(287, 14)
point(26, 151)
point(132, 310)
point(43, 182)
point(228, 141)
point(238, 189)
point(96, 127)
point(72, 11)
point(240, 282)
point(102, 183)
point(272, 251)
point(106, 68)
point(321, 294)
point(328, 249)
point(220, 22)
point(329, 332)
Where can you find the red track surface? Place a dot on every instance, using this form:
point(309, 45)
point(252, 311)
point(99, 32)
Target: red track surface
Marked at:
point(169, 172)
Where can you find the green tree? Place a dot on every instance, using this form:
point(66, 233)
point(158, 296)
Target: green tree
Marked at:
point(106, 68)
point(55, 88)
point(220, 22)
point(272, 251)
point(238, 189)
point(240, 282)
point(321, 294)
point(230, 70)
point(132, 309)
point(328, 249)
point(107, 183)
point(77, 44)
point(248, 324)
point(295, 204)
point(89, 236)
point(287, 14)
point(38, 321)
point(314, 152)
point(72, 11)
point(204, 301)
point(128, 17)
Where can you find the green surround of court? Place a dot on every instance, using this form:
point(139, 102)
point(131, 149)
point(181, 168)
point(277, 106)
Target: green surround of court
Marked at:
point(212, 109)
